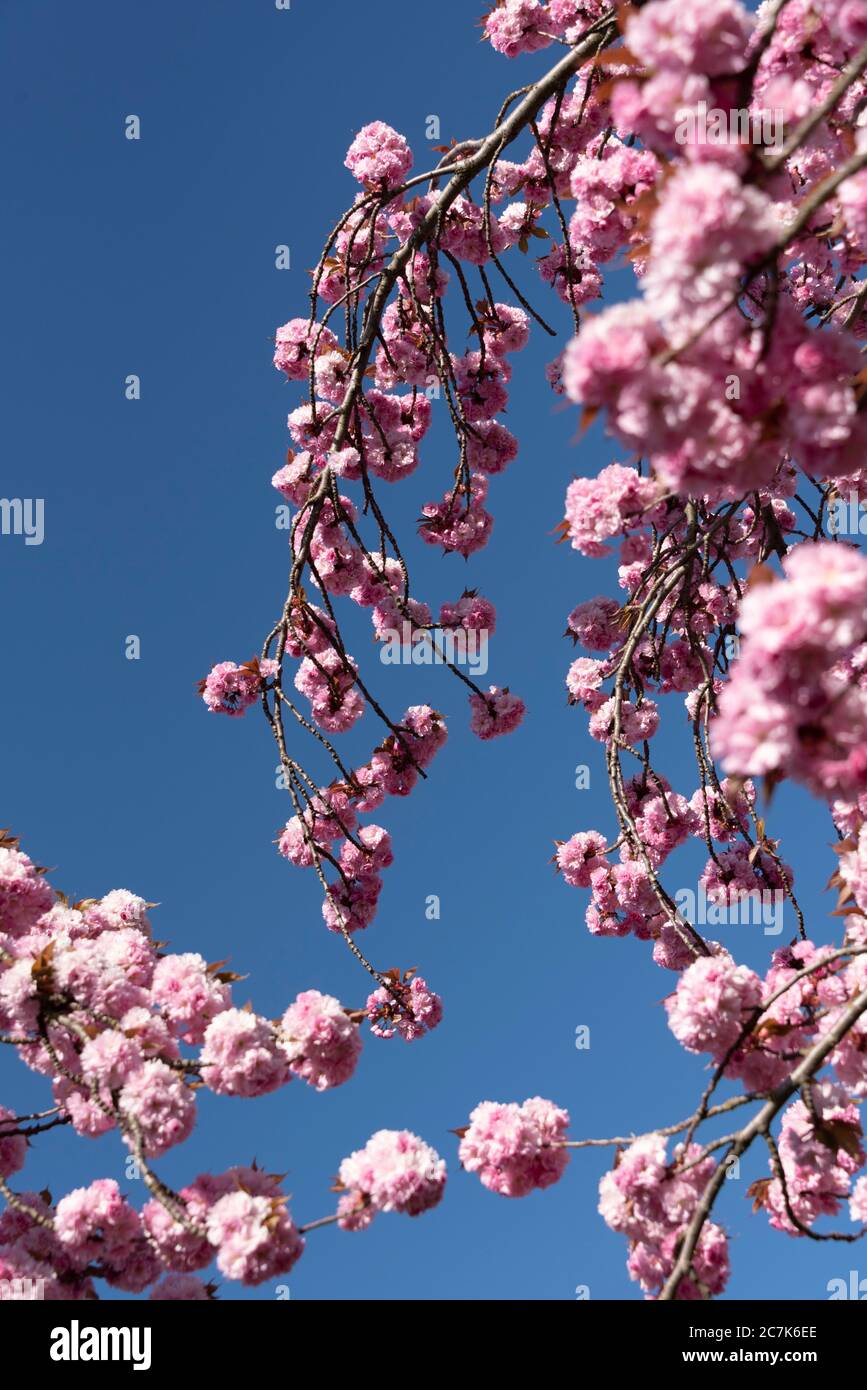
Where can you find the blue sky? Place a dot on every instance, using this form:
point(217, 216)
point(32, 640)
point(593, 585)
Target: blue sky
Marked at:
point(156, 258)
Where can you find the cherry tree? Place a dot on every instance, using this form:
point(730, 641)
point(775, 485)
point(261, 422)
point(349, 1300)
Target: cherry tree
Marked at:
point(720, 155)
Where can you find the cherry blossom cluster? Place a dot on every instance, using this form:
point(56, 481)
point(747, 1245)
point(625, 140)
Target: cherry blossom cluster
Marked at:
point(757, 1029)
point(796, 703)
point(515, 1148)
point(649, 1199)
point(395, 1171)
point(124, 1032)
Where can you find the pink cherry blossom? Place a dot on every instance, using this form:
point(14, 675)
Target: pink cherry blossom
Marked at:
point(516, 1148)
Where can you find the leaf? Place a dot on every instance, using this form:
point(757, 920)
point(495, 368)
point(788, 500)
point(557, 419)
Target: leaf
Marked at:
point(839, 1134)
point(760, 574)
point(625, 11)
point(844, 846)
point(40, 970)
point(604, 90)
point(758, 1190)
point(845, 897)
point(614, 57)
point(770, 782)
point(770, 1028)
point(588, 416)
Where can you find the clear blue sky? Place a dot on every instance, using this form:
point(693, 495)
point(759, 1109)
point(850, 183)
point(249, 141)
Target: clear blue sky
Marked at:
point(157, 258)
